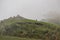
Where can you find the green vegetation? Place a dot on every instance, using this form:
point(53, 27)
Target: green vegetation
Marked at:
point(25, 28)
point(15, 38)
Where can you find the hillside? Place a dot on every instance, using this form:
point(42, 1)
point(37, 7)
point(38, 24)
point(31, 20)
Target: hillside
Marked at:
point(15, 38)
point(26, 28)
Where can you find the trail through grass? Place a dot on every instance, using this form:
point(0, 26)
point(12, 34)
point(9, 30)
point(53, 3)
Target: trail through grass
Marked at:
point(15, 38)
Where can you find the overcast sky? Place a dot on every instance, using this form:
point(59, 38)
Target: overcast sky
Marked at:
point(32, 9)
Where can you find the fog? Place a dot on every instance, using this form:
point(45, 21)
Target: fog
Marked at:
point(32, 9)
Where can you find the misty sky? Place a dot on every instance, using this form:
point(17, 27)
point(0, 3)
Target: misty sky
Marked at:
point(32, 9)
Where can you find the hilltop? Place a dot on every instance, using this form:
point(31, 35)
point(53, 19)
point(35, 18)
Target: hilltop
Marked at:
point(26, 28)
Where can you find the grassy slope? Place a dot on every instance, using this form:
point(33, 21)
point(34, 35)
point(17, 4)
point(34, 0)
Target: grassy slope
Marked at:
point(40, 29)
point(15, 38)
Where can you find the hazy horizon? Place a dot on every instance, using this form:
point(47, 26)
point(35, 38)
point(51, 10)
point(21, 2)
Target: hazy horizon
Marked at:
point(32, 9)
